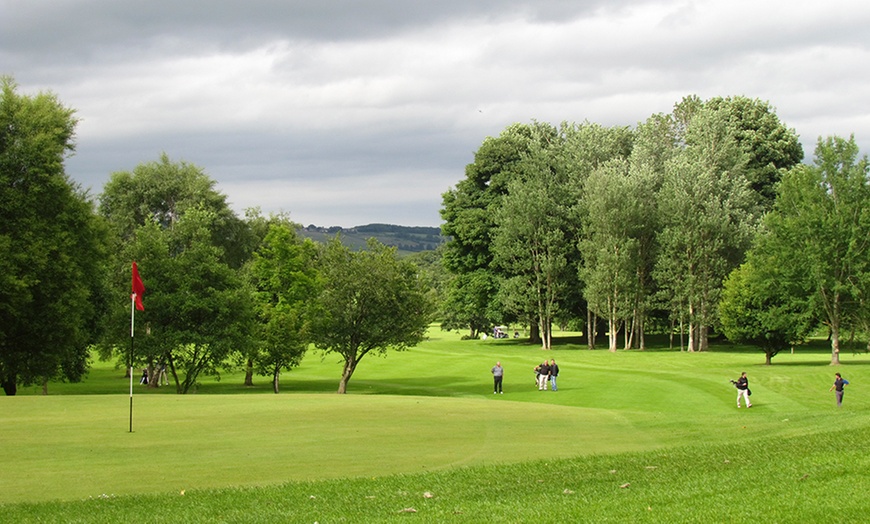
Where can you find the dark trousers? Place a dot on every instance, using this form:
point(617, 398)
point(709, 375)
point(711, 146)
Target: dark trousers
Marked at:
point(497, 384)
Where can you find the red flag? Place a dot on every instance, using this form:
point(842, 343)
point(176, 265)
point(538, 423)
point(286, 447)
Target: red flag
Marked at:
point(138, 288)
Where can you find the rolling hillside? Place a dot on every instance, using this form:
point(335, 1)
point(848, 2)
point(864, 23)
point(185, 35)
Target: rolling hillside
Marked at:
point(407, 239)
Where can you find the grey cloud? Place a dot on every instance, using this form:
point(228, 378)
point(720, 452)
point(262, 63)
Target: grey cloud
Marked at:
point(366, 108)
point(315, 158)
point(59, 26)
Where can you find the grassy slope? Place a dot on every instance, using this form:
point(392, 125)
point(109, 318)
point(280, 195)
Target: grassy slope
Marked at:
point(433, 411)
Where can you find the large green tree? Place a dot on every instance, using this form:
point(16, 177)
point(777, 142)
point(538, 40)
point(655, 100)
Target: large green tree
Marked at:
point(472, 302)
point(586, 148)
point(469, 212)
point(820, 228)
point(162, 191)
point(769, 146)
point(756, 307)
point(198, 311)
point(52, 246)
point(371, 302)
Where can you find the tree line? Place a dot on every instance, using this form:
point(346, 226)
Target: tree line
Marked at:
point(221, 291)
point(704, 219)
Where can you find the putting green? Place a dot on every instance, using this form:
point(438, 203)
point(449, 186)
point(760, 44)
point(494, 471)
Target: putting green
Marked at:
point(80, 447)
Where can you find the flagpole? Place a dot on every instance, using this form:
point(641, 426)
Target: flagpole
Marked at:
point(135, 303)
point(132, 318)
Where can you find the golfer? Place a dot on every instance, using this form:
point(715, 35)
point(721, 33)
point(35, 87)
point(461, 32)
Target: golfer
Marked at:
point(742, 385)
point(543, 375)
point(497, 376)
point(554, 372)
point(839, 384)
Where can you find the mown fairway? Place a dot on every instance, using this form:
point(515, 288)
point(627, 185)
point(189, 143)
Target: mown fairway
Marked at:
point(427, 410)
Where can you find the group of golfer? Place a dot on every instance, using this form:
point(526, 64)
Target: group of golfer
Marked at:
point(547, 371)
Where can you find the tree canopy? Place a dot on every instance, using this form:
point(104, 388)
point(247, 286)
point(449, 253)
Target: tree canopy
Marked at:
point(819, 235)
point(285, 281)
point(168, 217)
point(650, 220)
point(52, 247)
point(371, 302)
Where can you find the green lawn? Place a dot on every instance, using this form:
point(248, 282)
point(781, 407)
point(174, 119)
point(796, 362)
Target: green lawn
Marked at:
point(428, 416)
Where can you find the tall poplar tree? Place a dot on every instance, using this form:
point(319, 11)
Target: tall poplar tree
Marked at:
point(708, 215)
point(618, 224)
point(532, 242)
point(285, 283)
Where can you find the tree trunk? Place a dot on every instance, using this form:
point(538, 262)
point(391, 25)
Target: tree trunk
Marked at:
point(249, 373)
point(10, 387)
point(692, 342)
point(546, 333)
point(683, 341)
point(45, 386)
point(612, 334)
point(178, 388)
point(641, 337)
point(835, 345)
point(629, 334)
point(835, 331)
point(275, 375)
point(590, 330)
point(153, 376)
point(346, 373)
point(534, 332)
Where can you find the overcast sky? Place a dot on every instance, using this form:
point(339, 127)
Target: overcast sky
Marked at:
point(358, 111)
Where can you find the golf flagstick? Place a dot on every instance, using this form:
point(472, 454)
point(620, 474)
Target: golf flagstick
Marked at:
point(132, 319)
point(135, 303)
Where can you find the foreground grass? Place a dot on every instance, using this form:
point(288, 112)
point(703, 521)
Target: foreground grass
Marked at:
point(812, 478)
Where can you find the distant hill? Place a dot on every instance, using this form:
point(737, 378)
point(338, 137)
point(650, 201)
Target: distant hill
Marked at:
point(406, 239)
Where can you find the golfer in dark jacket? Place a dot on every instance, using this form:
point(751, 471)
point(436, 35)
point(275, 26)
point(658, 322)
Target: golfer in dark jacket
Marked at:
point(743, 390)
point(839, 383)
point(554, 372)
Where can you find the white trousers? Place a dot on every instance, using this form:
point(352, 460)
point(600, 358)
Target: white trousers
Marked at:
point(745, 394)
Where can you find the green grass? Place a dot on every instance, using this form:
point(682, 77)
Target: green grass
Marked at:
point(663, 422)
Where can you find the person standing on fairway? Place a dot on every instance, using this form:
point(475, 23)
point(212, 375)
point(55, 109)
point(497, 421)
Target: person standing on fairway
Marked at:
point(544, 375)
point(839, 383)
point(497, 376)
point(742, 386)
point(554, 372)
